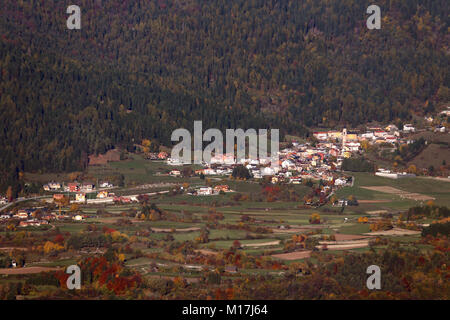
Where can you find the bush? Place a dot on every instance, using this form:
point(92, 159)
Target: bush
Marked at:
point(437, 228)
point(241, 172)
point(357, 165)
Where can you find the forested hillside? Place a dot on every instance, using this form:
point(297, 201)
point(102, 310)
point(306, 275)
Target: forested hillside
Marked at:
point(141, 68)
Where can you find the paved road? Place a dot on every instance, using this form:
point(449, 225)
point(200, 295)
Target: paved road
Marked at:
point(44, 197)
point(22, 200)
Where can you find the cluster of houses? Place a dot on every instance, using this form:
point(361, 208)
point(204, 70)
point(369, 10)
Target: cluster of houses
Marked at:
point(81, 190)
point(319, 161)
point(351, 140)
point(393, 175)
point(31, 218)
point(207, 191)
point(437, 124)
point(100, 197)
point(295, 164)
point(28, 217)
point(86, 186)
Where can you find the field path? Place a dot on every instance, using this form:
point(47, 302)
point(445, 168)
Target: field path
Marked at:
point(293, 255)
point(176, 230)
point(262, 244)
point(400, 193)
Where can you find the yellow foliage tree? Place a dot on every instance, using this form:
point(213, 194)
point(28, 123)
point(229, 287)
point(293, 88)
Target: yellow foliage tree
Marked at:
point(315, 218)
point(50, 247)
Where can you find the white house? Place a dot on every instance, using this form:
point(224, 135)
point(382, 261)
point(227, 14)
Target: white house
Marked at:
point(106, 185)
point(445, 112)
point(340, 182)
point(408, 128)
point(267, 171)
point(175, 173)
point(204, 191)
point(209, 171)
point(287, 164)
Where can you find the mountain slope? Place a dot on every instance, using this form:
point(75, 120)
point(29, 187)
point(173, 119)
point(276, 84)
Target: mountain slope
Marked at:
point(140, 69)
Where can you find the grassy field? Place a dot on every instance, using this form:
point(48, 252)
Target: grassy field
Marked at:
point(144, 237)
point(434, 188)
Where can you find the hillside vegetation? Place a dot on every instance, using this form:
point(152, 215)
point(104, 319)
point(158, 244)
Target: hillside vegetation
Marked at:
point(139, 69)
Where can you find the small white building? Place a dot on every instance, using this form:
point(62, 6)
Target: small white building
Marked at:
point(340, 182)
point(408, 128)
point(175, 173)
point(267, 171)
point(106, 185)
point(204, 191)
point(286, 164)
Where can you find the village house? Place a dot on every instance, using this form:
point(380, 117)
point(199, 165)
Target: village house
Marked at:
point(256, 174)
point(380, 133)
point(408, 128)
point(58, 197)
point(87, 186)
point(106, 184)
point(340, 182)
point(102, 194)
point(223, 188)
point(73, 186)
point(445, 112)
point(175, 173)
point(122, 199)
point(209, 171)
point(163, 155)
point(320, 135)
point(32, 223)
point(21, 214)
point(78, 218)
point(295, 180)
point(390, 139)
point(204, 191)
point(80, 197)
point(391, 127)
point(368, 136)
point(52, 186)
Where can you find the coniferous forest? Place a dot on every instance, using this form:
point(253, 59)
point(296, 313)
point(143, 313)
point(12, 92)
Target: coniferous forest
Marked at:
point(142, 68)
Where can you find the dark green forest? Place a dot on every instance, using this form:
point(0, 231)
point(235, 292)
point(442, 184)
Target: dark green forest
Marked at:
point(140, 69)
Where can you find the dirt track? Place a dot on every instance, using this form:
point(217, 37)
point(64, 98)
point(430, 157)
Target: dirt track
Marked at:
point(262, 244)
point(176, 230)
point(374, 201)
point(346, 237)
point(343, 245)
point(394, 232)
point(293, 255)
point(13, 248)
point(206, 252)
point(400, 193)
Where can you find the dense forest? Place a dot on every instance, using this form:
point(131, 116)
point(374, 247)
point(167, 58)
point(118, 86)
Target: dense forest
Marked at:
point(140, 69)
